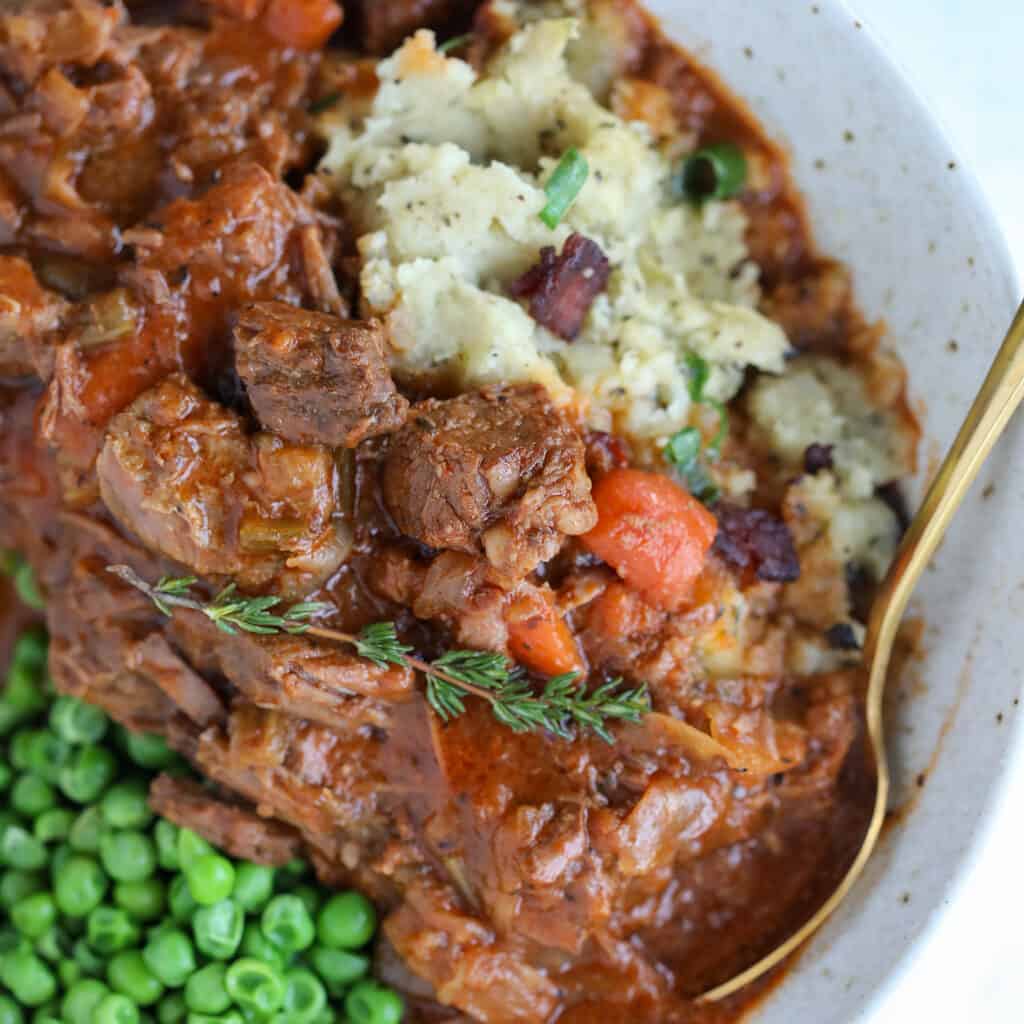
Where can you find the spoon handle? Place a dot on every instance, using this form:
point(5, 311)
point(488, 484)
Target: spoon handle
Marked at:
point(996, 402)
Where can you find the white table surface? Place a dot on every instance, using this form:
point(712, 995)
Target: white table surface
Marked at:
point(966, 59)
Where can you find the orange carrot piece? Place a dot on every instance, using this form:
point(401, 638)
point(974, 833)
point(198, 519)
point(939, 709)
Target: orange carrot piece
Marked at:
point(653, 533)
point(304, 24)
point(538, 636)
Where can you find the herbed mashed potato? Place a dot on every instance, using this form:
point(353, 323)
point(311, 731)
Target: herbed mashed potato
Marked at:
point(443, 173)
point(445, 176)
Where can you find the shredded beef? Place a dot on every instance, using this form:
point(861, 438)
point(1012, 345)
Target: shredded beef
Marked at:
point(29, 315)
point(498, 472)
point(227, 825)
point(179, 472)
point(312, 377)
point(562, 288)
point(752, 538)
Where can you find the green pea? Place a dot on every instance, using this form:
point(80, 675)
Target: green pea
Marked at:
point(311, 896)
point(24, 689)
point(128, 856)
point(51, 944)
point(144, 901)
point(148, 750)
point(87, 958)
point(110, 930)
point(171, 957)
point(89, 771)
point(370, 1003)
point(338, 967)
point(129, 975)
point(179, 900)
point(34, 915)
point(18, 750)
point(26, 586)
point(218, 929)
point(166, 835)
point(54, 825)
point(16, 885)
point(47, 1014)
point(76, 721)
point(115, 1009)
point(80, 886)
point(347, 921)
point(11, 717)
point(172, 1009)
point(62, 853)
point(86, 831)
point(126, 805)
point(256, 944)
point(305, 997)
point(286, 923)
point(68, 972)
point(10, 1012)
point(6, 776)
point(255, 985)
point(20, 849)
point(206, 992)
point(48, 755)
point(191, 846)
point(254, 885)
point(31, 796)
point(30, 981)
point(210, 879)
point(81, 999)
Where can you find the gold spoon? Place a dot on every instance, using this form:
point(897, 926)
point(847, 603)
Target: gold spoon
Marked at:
point(997, 400)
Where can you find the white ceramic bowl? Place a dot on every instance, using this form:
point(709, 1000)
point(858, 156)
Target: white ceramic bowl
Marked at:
point(889, 197)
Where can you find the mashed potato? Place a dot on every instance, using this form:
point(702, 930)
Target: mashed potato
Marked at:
point(444, 175)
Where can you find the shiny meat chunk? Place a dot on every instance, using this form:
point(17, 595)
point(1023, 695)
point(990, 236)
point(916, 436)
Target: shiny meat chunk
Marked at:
point(561, 288)
point(179, 471)
point(241, 240)
point(498, 472)
point(314, 378)
point(228, 826)
point(29, 313)
point(322, 682)
point(381, 26)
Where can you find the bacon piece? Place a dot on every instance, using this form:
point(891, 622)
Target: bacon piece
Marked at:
point(817, 457)
point(754, 538)
point(562, 288)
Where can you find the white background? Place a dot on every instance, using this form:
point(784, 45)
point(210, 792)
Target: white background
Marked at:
point(966, 58)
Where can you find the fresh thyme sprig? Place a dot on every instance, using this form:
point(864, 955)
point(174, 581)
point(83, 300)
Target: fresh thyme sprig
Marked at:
point(564, 707)
point(229, 611)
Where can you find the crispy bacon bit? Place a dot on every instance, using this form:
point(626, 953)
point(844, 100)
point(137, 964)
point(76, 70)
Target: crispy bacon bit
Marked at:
point(562, 288)
point(754, 538)
point(818, 457)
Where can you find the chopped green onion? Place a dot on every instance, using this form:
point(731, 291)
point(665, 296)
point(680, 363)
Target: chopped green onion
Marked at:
point(454, 43)
point(324, 103)
point(715, 445)
point(564, 186)
point(714, 172)
point(699, 372)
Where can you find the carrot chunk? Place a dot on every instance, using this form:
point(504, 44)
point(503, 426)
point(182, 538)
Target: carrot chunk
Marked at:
point(539, 638)
point(653, 533)
point(304, 24)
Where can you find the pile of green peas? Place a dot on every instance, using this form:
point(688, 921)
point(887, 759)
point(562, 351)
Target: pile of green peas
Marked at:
point(112, 915)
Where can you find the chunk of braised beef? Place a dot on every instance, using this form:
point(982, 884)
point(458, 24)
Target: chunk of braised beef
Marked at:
point(498, 472)
point(180, 472)
point(605, 452)
point(29, 314)
point(381, 26)
point(753, 538)
point(315, 378)
point(227, 824)
point(561, 288)
point(818, 457)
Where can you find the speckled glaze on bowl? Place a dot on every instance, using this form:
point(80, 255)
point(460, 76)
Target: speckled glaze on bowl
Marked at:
point(889, 197)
